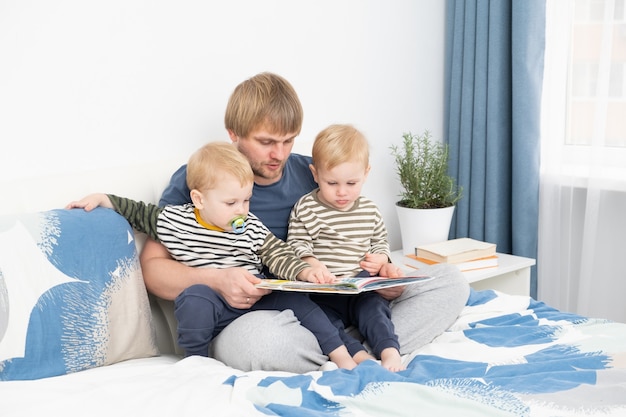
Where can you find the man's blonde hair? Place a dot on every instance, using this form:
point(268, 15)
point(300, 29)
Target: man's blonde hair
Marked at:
point(265, 100)
point(207, 166)
point(338, 144)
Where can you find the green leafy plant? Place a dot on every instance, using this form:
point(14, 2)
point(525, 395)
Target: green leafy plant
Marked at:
point(422, 167)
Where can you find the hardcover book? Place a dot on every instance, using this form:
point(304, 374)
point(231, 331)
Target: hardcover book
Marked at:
point(471, 265)
point(456, 250)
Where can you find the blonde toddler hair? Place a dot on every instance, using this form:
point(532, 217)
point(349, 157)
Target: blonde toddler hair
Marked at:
point(337, 144)
point(208, 165)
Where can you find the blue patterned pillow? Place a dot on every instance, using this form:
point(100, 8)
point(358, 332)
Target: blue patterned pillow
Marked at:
point(71, 294)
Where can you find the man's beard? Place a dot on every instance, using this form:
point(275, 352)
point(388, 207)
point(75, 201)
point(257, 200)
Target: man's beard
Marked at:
point(260, 171)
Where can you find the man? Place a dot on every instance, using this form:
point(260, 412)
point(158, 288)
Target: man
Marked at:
point(263, 118)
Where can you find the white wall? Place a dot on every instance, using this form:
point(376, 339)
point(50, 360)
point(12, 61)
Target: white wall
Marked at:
point(90, 84)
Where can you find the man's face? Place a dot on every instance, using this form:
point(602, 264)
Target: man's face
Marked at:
point(267, 153)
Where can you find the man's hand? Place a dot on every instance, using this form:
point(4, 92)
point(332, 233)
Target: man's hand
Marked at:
point(391, 293)
point(391, 271)
point(237, 286)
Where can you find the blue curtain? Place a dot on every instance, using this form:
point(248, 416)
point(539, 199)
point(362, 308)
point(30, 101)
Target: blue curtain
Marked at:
point(494, 73)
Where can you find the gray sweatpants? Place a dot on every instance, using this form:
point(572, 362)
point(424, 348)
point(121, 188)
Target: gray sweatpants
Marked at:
point(272, 340)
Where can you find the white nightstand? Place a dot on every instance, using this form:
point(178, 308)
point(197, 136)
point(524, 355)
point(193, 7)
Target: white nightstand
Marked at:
point(511, 276)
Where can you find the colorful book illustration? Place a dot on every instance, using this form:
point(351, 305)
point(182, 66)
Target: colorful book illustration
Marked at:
point(352, 285)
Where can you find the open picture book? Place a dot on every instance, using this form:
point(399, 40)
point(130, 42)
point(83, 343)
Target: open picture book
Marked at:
point(348, 285)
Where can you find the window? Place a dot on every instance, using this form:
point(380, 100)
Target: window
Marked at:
point(597, 72)
point(584, 107)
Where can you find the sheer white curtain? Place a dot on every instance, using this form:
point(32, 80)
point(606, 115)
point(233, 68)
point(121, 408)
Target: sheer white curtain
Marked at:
point(582, 217)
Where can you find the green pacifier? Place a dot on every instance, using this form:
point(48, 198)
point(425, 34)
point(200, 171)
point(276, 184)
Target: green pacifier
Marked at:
point(238, 224)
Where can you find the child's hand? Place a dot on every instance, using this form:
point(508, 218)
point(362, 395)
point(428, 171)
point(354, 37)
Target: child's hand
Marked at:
point(373, 262)
point(90, 202)
point(318, 274)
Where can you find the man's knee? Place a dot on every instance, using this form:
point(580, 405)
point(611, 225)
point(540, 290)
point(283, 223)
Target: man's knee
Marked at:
point(252, 341)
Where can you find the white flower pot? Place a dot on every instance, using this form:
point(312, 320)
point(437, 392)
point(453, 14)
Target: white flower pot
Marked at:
point(422, 226)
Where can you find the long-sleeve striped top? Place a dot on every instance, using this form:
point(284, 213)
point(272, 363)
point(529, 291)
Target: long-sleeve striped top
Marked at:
point(188, 241)
point(339, 239)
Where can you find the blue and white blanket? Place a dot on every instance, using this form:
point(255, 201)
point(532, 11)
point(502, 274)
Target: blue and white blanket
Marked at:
point(505, 356)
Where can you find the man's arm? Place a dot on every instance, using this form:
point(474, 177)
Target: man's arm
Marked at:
point(166, 278)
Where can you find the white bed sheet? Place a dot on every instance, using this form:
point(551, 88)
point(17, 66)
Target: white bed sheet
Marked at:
point(158, 386)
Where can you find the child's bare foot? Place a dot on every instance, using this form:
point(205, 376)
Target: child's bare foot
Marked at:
point(390, 358)
point(362, 355)
point(342, 358)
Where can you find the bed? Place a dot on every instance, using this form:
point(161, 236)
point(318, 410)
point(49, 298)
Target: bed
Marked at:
point(80, 336)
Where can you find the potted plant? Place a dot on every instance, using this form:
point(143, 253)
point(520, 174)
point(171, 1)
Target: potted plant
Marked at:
point(429, 194)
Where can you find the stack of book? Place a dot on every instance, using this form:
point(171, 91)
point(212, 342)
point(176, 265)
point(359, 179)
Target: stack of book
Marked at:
point(466, 253)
